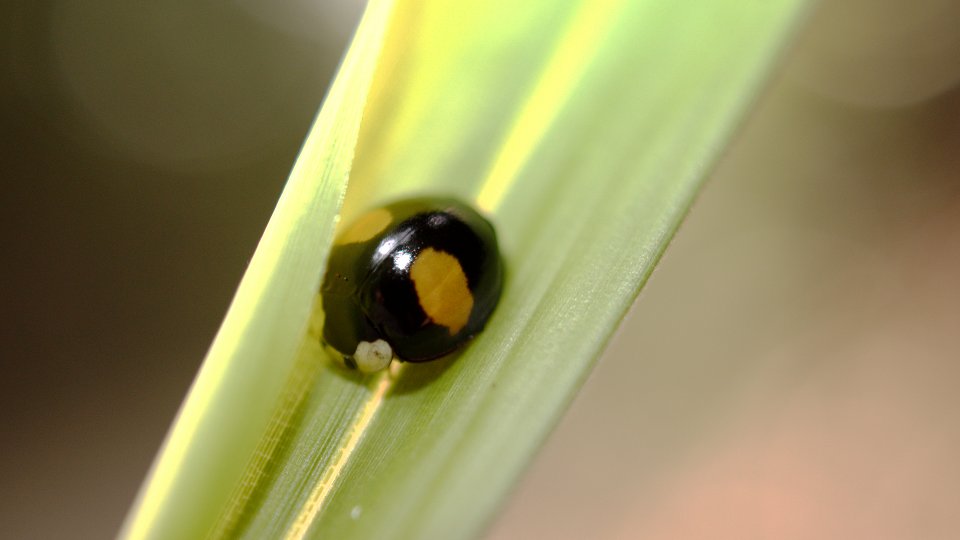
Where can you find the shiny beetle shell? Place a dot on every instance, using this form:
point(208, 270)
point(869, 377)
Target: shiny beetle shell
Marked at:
point(415, 280)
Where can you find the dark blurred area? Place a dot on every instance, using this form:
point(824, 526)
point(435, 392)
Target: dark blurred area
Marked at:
point(144, 146)
point(789, 371)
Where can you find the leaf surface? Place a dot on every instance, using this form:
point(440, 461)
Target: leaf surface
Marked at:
point(584, 130)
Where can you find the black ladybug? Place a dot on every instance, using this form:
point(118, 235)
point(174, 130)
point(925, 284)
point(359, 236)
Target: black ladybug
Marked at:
point(414, 280)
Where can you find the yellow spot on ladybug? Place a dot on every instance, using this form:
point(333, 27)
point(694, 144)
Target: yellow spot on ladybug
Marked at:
point(366, 226)
point(442, 289)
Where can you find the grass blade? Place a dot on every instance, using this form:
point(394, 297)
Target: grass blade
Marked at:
point(584, 130)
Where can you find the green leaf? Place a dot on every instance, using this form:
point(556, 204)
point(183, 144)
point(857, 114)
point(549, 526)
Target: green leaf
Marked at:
point(583, 129)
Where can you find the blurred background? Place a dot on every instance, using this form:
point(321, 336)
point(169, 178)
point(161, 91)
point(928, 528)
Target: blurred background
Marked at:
point(790, 370)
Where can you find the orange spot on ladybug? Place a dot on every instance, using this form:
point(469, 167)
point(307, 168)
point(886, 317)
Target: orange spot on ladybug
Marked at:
point(442, 289)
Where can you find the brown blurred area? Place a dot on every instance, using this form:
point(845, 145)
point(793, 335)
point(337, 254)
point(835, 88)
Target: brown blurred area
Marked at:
point(144, 146)
point(789, 371)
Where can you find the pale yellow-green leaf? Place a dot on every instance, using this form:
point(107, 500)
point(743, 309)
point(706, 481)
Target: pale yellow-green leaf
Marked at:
point(584, 129)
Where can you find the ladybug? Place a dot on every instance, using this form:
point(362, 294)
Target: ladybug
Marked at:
point(413, 280)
